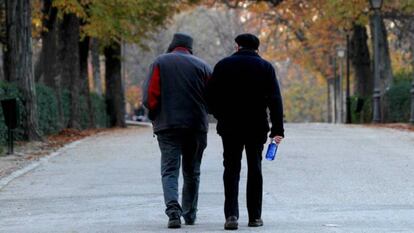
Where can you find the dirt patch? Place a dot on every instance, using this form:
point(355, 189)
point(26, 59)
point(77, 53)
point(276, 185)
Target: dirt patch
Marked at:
point(26, 152)
point(398, 126)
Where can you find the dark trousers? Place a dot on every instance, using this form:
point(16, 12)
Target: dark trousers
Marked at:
point(233, 149)
point(181, 146)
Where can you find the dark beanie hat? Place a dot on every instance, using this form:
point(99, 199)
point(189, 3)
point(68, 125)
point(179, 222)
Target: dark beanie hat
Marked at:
point(181, 40)
point(248, 41)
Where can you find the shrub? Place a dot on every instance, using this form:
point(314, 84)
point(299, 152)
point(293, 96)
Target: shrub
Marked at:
point(47, 109)
point(66, 106)
point(8, 90)
point(396, 102)
point(361, 109)
point(398, 99)
point(99, 109)
point(84, 113)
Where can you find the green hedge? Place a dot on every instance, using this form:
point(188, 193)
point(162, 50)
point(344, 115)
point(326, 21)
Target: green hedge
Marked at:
point(66, 106)
point(397, 102)
point(48, 111)
point(364, 114)
point(98, 106)
point(8, 91)
point(99, 110)
point(398, 99)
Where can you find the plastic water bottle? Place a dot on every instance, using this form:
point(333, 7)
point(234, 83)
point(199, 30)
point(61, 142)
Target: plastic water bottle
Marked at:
point(271, 150)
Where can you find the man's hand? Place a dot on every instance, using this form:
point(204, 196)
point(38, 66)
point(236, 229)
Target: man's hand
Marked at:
point(278, 139)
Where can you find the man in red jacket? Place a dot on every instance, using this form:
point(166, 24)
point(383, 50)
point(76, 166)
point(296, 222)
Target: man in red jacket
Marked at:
point(243, 87)
point(174, 94)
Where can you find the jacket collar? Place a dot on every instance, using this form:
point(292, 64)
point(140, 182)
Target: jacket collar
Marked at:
point(181, 50)
point(247, 52)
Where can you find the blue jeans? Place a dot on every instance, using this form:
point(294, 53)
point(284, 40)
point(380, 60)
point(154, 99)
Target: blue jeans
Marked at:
point(181, 146)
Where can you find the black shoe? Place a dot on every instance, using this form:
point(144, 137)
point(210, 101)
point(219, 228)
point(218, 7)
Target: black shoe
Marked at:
point(174, 222)
point(231, 223)
point(256, 223)
point(189, 221)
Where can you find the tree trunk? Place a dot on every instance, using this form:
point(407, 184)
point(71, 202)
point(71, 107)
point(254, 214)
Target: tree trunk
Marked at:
point(114, 95)
point(83, 59)
point(385, 67)
point(69, 65)
point(412, 81)
point(47, 66)
point(386, 75)
point(96, 66)
point(45, 69)
point(18, 60)
point(330, 99)
point(361, 61)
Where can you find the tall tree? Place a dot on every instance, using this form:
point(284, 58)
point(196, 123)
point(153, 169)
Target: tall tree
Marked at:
point(47, 65)
point(84, 80)
point(18, 67)
point(114, 21)
point(386, 74)
point(110, 22)
point(320, 31)
point(96, 66)
point(385, 67)
point(70, 65)
point(361, 62)
point(2, 34)
point(45, 69)
point(115, 100)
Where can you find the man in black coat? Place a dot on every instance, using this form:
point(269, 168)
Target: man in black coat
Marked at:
point(242, 88)
point(174, 94)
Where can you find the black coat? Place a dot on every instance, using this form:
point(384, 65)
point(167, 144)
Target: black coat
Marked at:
point(242, 88)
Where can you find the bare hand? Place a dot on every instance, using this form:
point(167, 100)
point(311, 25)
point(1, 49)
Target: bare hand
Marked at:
point(278, 139)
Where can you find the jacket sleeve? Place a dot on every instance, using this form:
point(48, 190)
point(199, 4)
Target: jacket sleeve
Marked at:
point(208, 73)
point(213, 92)
point(152, 91)
point(275, 106)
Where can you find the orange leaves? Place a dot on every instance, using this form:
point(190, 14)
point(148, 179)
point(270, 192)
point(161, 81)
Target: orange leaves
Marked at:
point(309, 31)
point(133, 96)
point(36, 18)
point(260, 7)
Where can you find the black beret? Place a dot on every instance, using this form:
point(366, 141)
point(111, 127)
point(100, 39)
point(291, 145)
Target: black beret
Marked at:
point(248, 41)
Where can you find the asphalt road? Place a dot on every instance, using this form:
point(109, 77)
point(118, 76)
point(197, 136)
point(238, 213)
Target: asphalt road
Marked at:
point(326, 178)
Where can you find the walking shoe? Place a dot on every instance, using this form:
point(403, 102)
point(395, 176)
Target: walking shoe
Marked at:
point(256, 223)
point(174, 222)
point(189, 221)
point(231, 223)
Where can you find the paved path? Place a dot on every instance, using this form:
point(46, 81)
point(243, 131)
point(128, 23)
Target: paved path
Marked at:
point(326, 179)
